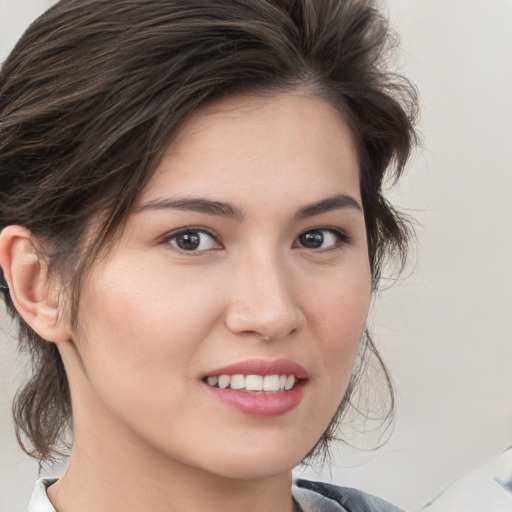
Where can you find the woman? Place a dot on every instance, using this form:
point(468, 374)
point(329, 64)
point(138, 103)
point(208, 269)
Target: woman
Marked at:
point(192, 226)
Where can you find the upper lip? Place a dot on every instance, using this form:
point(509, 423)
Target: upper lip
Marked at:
point(262, 367)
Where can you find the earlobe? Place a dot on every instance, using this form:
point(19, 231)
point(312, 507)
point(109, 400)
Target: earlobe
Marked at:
point(29, 285)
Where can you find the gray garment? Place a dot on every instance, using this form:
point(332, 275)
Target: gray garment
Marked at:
point(310, 496)
point(320, 497)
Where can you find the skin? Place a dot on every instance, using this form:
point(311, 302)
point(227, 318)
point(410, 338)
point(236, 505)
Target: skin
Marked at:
point(154, 319)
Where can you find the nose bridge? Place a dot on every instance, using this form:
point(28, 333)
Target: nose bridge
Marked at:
point(263, 298)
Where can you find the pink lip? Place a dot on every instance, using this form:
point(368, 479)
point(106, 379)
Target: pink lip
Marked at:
point(262, 367)
point(261, 404)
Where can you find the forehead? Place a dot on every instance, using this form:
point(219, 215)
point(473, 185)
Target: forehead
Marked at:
point(250, 141)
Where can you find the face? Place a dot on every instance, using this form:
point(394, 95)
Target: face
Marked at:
point(222, 329)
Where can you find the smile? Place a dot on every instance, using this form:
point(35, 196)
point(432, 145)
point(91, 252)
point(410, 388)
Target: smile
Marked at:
point(259, 388)
point(253, 383)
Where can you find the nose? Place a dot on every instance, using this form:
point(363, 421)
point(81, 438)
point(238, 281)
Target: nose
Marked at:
point(263, 301)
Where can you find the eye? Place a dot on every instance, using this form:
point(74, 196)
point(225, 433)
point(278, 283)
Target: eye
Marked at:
point(322, 238)
point(193, 240)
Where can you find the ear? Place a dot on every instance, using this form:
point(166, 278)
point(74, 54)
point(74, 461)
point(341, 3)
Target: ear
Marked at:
point(32, 292)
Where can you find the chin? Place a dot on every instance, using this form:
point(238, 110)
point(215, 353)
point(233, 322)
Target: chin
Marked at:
point(260, 464)
point(248, 472)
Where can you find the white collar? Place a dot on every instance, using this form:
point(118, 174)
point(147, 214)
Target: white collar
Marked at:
point(39, 501)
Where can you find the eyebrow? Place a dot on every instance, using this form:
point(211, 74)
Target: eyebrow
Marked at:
point(336, 202)
point(196, 205)
point(200, 205)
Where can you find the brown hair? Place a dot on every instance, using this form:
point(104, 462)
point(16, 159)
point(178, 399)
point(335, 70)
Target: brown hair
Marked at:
point(94, 89)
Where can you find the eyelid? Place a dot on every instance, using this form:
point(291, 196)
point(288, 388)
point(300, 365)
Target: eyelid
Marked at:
point(341, 235)
point(201, 229)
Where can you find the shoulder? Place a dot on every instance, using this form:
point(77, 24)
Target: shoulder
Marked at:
point(322, 497)
point(488, 487)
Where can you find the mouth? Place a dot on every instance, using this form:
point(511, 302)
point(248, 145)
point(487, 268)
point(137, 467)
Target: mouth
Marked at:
point(259, 388)
point(271, 384)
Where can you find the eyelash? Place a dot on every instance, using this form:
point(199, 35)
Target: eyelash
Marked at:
point(192, 230)
point(342, 239)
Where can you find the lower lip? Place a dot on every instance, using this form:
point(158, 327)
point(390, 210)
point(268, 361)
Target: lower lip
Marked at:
point(260, 405)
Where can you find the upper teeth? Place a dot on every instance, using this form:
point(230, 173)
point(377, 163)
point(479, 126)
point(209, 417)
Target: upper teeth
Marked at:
point(253, 382)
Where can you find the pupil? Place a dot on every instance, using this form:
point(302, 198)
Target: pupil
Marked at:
point(188, 241)
point(312, 239)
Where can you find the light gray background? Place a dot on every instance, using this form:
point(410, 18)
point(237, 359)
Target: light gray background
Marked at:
point(445, 331)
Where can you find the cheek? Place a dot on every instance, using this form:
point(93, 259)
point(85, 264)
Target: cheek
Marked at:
point(339, 318)
point(143, 331)
point(341, 308)
point(146, 309)
point(139, 335)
